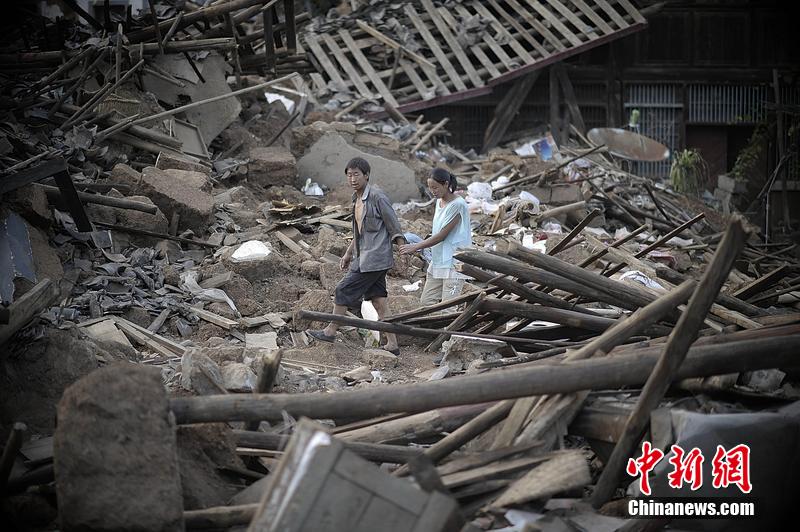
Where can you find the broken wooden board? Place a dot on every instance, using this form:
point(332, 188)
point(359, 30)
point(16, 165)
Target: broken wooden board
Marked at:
point(321, 485)
point(216, 319)
point(521, 36)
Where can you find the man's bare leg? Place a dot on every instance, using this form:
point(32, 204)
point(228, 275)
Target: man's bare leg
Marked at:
point(339, 310)
point(382, 307)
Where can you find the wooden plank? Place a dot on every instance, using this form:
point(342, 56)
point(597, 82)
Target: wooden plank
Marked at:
point(23, 310)
point(318, 81)
point(498, 26)
point(356, 470)
point(355, 77)
point(489, 40)
point(632, 11)
point(487, 63)
point(564, 472)
point(555, 21)
point(451, 41)
point(143, 339)
point(216, 319)
point(507, 109)
point(24, 177)
point(434, 47)
point(540, 27)
point(611, 12)
point(526, 34)
point(292, 245)
point(322, 57)
point(129, 326)
point(419, 85)
point(580, 25)
point(391, 43)
point(381, 514)
point(437, 82)
point(367, 68)
point(569, 97)
point(429, 134)
point(593, 16)
point(670, 360)
point(513, 423)
point(762, 283)
point(463, 478)
point(157, 323)
point(339, 505)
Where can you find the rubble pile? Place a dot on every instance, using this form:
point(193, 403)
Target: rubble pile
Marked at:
point(174, 214)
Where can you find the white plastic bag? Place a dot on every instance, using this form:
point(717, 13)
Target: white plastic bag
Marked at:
point(479, 190)
point(312, 189)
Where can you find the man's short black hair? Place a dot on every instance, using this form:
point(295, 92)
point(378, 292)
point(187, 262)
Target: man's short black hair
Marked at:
point(359, 163)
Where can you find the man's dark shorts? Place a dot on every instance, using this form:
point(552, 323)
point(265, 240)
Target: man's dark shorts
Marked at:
point(357, 286)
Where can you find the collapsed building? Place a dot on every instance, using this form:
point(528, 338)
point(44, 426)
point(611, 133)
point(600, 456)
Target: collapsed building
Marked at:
point(174, 213)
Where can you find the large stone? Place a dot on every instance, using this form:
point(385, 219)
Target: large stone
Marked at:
point(314, 300)
point(123, 174)
point(238, 194)
point(304, 137)
point(329, 241)
point(330, 275)
point(238, 377)
point(34, 375)
point(203, 450)
point(310, 268)
point(460, 352)
point(115, 453)
point(157, 222)
point(378, 358)
point(166, 161)
point(180, 191)
point(325, 161)
point(199, 373)
point(272, 166)
point(256, 269)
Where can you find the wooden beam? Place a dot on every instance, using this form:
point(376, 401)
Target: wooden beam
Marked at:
point(23, 310)
point(597, 373)
point(569, 97)
point(507, 109)
point(666, 370)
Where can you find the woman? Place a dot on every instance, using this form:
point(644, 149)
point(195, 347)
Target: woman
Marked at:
point(451, 232)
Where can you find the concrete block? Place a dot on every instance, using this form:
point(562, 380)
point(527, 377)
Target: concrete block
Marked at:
point(115, 453)
point(325, 160)
point(180, 191)
point(272, 166)
point(166, 161)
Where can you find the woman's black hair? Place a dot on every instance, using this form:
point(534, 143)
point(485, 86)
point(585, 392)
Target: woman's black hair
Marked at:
point(440, 175)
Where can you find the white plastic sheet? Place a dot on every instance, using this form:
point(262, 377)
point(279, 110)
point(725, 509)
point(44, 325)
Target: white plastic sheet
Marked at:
point(251, 250)
point(189, 283)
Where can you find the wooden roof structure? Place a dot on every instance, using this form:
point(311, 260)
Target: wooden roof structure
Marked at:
point(520, 36)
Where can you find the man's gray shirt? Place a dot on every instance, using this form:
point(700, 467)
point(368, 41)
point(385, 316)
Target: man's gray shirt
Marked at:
point(373, 249)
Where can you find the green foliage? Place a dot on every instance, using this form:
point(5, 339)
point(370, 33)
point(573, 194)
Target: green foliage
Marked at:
point(688, 173)
point(750, 155)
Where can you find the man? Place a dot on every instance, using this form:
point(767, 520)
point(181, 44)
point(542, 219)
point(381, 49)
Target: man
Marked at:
point(369, 256)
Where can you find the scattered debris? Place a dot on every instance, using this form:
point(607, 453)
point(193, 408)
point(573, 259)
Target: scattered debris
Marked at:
point(174, 218)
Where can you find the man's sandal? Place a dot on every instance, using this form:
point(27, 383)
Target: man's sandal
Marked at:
point(320, 335)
